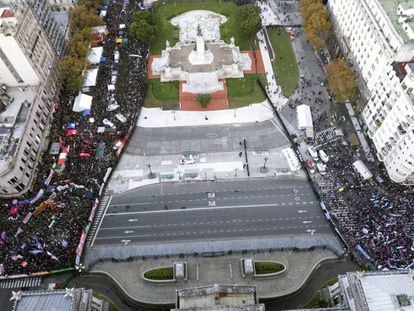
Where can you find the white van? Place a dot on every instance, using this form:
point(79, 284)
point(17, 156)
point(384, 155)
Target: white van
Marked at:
point(108, 123)
point(313, 153)
point(120, 117)
point(324, 157)
point(321, 168)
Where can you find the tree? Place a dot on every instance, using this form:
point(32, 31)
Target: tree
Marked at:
point(143, 27)
point(81, 17)
point(341, 79)
point(79, 43)
point(203, 100)
point(71, 72)
point(316, 21)
point(249, 17)
point(143, 31)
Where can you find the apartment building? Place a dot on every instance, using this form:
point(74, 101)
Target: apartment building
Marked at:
point(29, 86)
point(378, 38)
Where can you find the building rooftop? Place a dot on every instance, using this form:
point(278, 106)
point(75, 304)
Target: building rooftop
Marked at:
point(55, 300)
point(391, 9)
point(218, 297)
point(380, 291)
point(13, 120)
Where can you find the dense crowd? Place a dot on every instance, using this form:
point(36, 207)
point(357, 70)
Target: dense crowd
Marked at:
point(376, 218)
point(41, 230)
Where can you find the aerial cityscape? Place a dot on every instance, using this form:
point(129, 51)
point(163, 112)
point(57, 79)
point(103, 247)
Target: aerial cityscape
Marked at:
point(207, 155)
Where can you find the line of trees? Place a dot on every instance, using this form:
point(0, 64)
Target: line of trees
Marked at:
point(317, 25)
point(82, 18)
point(341, 79)
point(315, 20)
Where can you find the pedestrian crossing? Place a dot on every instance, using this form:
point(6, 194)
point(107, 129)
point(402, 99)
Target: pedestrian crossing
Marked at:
point(104, 201)
point(324, 136)
point(21, 282)
point(290, 127)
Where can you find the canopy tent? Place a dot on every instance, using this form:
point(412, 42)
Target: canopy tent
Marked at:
point(360, 167)
point(94, 56)
point(82, 102)
point(90, 77)
point(304, 116)
point(99, 29)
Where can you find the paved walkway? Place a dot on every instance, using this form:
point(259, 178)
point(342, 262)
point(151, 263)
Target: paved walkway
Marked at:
point(273, 90)
point(156, 117)
point(204, 271)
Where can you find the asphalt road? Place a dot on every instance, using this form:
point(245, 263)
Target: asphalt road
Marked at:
point(215, 210)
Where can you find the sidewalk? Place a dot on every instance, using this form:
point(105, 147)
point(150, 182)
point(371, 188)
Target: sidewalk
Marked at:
point(156, 117)
point(221, 270)
point(273, 90)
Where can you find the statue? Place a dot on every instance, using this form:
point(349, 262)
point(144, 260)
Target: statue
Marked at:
point(167, 44)
point(232, 41)
point(199, 34)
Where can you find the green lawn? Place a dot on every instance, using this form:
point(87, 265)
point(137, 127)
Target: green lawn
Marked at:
point(160, 274)
point(285, 66)
point(164, 12)
point(268, 267)
point(165, 94)
point(245, 91)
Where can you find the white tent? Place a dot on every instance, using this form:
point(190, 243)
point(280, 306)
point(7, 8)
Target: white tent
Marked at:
point(82, 102)
point(95, 55)
point(304, 116)
point(99, 29)
point(360, 167)
point(90, 77)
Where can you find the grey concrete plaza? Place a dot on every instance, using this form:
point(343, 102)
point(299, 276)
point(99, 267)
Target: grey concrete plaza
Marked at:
point(205, 139)
point(217, 151)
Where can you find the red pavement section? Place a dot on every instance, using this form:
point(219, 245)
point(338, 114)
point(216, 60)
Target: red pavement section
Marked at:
point(188, 101)
point(149, 71)
point(259, 65)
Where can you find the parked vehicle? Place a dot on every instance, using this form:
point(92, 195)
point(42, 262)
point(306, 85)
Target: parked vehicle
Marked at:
point(112, 107)
point(324, 157)
point(313, 153)
point(321, 168)
point(120, 117)
point(108, 123)
point(311, 166)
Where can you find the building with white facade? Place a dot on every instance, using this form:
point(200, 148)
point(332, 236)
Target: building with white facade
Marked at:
point(29, 81)
point(377, 37)
point(371, 291)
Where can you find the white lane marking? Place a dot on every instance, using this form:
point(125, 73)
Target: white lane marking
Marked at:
point(131, 204)
point(194, 209)
point(132, 219)
point(126, 227)
point(120, 237)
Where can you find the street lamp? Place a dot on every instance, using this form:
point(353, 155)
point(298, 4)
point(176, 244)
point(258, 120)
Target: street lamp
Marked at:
point(263, 169)
point(151, 174)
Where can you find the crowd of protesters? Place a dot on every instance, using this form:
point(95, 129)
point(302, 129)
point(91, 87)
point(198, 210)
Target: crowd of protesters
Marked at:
point(41, 230)
point(374, 216)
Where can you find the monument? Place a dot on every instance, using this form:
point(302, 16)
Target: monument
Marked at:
point(200, 55)
point(200, 58)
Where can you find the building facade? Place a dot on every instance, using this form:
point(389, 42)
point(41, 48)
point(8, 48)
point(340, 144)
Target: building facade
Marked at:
point(380, 51)
point(29, 80)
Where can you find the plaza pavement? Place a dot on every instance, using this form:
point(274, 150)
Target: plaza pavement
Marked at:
point(156, 117)
point(221, 270)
